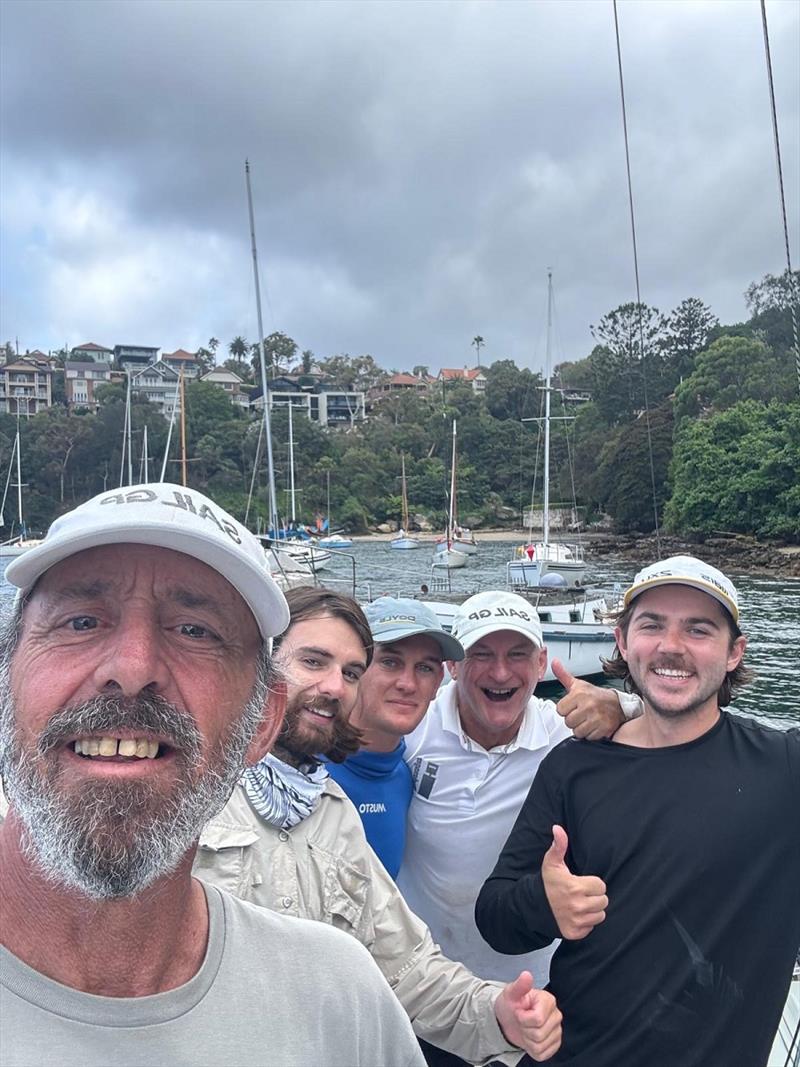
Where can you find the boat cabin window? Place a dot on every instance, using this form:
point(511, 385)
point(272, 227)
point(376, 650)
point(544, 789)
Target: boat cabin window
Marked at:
point(574, 616)
point(545, 616)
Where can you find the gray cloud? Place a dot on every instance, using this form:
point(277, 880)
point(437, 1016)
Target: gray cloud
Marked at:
point(416, 166)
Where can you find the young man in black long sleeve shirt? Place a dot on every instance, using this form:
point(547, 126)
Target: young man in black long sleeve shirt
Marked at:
point(668, 858)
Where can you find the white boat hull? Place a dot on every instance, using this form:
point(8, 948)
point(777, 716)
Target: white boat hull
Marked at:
point(335, 541)
point(449, 558)
point(17, 548)
point(469, 548)
point(404, 543)
point(529, 573)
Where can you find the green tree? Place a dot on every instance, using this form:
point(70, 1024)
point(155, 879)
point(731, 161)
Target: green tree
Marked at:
point(512, 393)
point(307, 361)
point(628, 363)
point(352, 372)
point(238, 349)
point(478, 343)
point(280, 352)
point(730, 370)
point(688, 329)
point(736, 471)
point(774, 291)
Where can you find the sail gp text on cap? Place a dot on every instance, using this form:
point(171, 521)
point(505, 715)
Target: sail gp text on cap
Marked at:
point(179, 499)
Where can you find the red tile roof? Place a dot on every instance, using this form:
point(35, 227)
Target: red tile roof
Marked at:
point(179, 353)
point(90, 346)
point(404, 379)
point(459, 372)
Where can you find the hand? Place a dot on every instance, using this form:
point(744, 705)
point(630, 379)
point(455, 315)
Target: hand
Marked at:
point(578, 902)
point(529, 1018)
point(589, 711)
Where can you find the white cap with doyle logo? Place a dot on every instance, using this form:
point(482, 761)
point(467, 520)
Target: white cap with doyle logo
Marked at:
point(165, 516)
point(686, 570)
point(486, 613)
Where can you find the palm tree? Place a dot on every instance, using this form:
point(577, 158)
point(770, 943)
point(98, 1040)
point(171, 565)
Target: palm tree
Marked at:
point(238, 348)
point(479, 342)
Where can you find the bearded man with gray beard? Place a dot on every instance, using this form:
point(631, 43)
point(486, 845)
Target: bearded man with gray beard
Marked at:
point(136, 682)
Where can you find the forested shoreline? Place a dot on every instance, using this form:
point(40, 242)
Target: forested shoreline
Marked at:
point(716, 407)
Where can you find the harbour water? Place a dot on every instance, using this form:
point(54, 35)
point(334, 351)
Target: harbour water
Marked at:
point(770, 608)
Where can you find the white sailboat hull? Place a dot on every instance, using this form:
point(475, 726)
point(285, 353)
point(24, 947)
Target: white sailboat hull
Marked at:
point(17, 548)
point(407, 544)
point(450, 558)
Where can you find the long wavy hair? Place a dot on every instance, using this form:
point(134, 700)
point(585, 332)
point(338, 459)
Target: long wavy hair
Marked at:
point(617, 667)
point(308, 602)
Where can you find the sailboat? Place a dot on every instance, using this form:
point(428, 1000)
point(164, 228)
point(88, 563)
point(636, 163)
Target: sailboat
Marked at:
point(546, 563)
point(15, 546)
point(446, 554)
point(294, 541)
point(333, 540)
point(403, 541)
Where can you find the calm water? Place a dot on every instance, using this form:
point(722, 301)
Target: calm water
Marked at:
point(770, 609)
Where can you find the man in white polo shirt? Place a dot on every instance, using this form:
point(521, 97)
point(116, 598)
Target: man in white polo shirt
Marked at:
point(472, 760)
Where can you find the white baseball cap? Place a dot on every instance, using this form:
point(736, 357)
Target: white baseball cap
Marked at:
point(486, 613)
point(166, 516)
point(686, 570)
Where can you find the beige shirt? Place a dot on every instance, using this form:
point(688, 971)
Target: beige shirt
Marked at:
point(324, 869)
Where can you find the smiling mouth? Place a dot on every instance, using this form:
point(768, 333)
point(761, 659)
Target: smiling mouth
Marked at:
point(127, 747)
point(671, 672)
point(499, 696)
point(323, 713)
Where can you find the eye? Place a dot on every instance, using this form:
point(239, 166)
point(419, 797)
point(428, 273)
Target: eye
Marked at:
point(388, 664)
point(425, 668)
point(310, 661)
point(83, 622)
point(352, 676)
point(195, 631)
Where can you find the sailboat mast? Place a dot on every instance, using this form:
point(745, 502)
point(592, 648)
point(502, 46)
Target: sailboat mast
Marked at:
point(451, 518)
point(405, 491)
point(273, 507)
point(546, 503)
point(184, 472)
point(291, 463)
point(130, 434)
point(19, 484)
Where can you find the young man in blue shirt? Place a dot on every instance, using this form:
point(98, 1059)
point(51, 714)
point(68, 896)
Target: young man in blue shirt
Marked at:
point(394, 694)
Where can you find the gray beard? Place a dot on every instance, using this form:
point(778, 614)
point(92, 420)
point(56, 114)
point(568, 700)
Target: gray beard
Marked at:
point(114, 839)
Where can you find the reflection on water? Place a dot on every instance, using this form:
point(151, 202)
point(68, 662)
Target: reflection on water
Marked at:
point(770, 609)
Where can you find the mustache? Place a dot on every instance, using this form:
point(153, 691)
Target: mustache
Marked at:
point(147, 712)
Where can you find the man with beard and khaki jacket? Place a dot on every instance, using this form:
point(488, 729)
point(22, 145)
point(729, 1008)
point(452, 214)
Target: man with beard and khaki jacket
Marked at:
point(290, 840)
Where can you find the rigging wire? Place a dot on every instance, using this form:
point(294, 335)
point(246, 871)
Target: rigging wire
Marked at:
point(793, 299)
point(638, 292)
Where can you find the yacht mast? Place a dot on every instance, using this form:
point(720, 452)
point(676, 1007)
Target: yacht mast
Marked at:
point(273, 507)
point(546, 501)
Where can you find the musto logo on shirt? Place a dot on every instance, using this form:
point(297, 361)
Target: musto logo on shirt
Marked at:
point(423, 773)
point(371, 809)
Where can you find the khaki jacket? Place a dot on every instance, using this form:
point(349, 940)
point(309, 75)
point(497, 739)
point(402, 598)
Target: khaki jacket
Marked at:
point(324, 869)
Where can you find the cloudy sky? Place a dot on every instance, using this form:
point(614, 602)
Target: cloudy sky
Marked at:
point(417, 167)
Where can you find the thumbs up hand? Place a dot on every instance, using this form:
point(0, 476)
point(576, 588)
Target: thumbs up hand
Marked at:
point(529, 1018)
point(578, 902)
point(588, 710)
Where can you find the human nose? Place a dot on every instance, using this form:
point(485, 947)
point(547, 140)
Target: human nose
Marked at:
point(501, 669)
point(406, 680)
point(333, 684)
point(134, 659)
point(671, 640)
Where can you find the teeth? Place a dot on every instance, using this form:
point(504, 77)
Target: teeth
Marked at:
point(500, 692)
point(321, 711)
point(111, 746)
point(671, 674)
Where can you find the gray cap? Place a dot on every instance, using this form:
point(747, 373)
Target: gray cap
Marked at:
point(395, 618)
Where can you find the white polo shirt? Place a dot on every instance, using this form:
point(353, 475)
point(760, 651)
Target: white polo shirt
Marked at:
point(464, 805)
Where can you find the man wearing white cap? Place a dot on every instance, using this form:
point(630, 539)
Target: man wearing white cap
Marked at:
point(688, 820)
point(472, 760)
point(137, 683)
